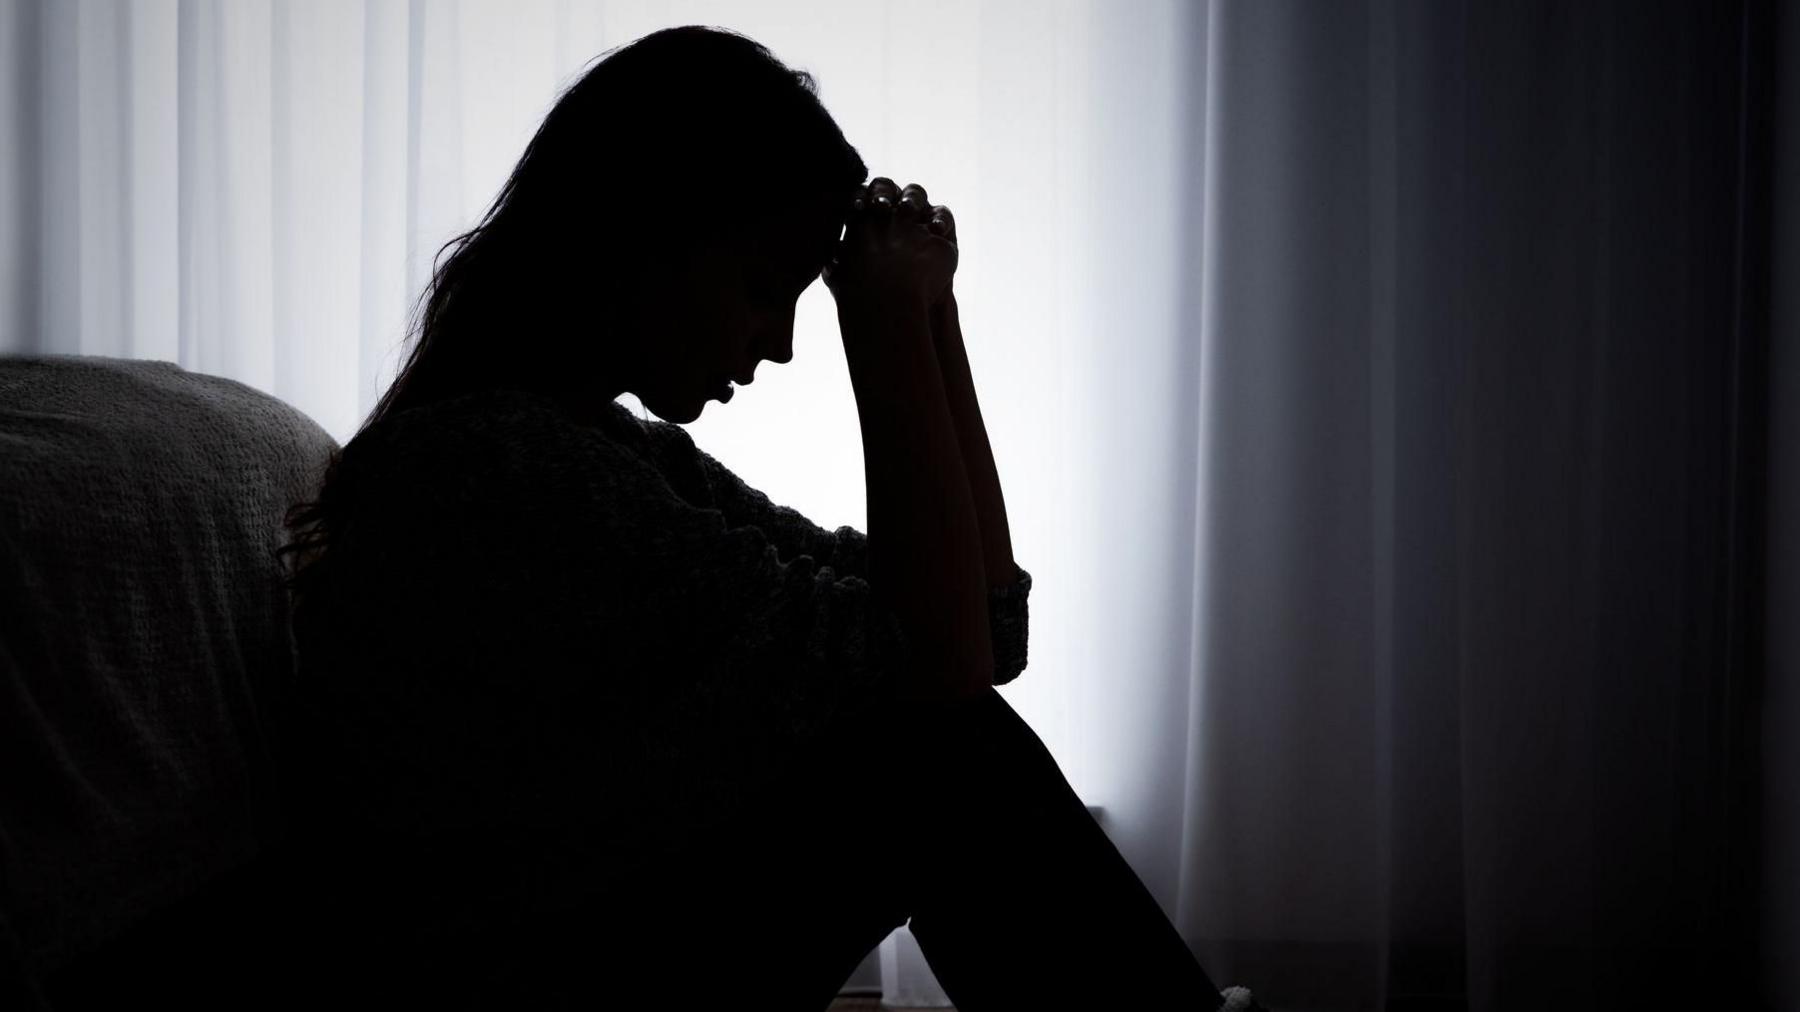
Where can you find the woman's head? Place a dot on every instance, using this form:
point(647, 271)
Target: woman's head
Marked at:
point(653, 238)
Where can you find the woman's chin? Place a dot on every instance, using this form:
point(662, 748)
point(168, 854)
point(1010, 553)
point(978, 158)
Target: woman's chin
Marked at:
point(683, 408)
point(707, 400)
point(680, 413)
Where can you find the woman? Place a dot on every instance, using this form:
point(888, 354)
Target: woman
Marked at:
point(584, 718)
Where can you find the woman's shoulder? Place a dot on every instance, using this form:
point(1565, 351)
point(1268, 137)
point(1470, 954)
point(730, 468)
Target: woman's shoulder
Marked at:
point(525, 418)
point(490, 446)
point(503, 421)
point(500, 410)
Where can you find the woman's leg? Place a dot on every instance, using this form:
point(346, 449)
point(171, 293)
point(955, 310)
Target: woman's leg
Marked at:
point(1024, 902)
point(953, 813)
point(777, 904)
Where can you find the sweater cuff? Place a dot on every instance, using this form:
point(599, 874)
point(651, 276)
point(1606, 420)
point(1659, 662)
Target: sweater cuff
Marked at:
point(1009, 626)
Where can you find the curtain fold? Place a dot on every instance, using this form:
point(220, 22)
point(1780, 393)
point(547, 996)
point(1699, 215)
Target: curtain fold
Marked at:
point(1777, 872)
point(257, 189)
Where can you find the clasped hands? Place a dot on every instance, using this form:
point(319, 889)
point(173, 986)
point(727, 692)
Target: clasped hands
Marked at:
point(900, 235)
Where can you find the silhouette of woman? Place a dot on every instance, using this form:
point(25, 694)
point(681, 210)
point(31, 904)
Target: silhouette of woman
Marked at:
point(581, 718)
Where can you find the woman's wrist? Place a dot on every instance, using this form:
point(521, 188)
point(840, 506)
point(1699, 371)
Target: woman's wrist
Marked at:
point(884, 301)
point(945, 332)
point(888, 348)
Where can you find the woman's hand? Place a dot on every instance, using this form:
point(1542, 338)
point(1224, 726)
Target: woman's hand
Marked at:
point(896, 245)
point(940, 222)
point(937, 217)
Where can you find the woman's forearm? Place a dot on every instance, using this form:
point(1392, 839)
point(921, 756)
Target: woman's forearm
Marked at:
point(924, 535)
point(971, 435)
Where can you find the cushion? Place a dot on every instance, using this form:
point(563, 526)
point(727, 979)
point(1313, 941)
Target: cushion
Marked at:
point(144, 644)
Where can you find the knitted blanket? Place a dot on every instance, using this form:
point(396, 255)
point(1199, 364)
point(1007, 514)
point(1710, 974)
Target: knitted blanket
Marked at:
point(143, 636)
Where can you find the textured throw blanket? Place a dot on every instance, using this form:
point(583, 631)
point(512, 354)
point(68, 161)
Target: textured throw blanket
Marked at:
point(143, 637)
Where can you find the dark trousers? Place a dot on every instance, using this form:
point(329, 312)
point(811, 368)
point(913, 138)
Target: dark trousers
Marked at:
point(953, 815)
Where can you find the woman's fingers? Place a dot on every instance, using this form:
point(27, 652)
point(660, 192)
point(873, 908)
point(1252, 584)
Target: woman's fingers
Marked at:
point(913, 199)
point(912, 202)
point(943, 222)
point(883, 194)
point(888, 240)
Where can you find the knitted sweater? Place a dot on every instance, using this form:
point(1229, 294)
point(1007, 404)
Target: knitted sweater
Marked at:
point(542, 648)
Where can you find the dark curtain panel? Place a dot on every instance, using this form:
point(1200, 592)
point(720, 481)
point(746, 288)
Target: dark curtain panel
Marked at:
point(1583, 226)
point(1777, 885)
point(1486, 488)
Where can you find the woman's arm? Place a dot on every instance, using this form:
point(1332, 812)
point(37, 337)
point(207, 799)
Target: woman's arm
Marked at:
point(704, 479)
point(845, 550)
point(925, 555)
point(971, 435)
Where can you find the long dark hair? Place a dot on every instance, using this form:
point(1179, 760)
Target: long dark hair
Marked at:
point(685, 133)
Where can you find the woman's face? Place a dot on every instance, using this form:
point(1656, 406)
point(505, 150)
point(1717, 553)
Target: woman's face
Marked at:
point(724, 307)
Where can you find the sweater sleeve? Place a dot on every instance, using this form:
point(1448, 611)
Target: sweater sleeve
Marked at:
point(845, 550)
point(702, 478)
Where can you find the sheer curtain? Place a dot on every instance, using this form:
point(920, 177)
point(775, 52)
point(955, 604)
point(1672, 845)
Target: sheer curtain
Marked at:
point(1378, 390)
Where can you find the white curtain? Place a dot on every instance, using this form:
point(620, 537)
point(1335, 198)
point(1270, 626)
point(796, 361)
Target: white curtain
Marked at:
point(1310, 342)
